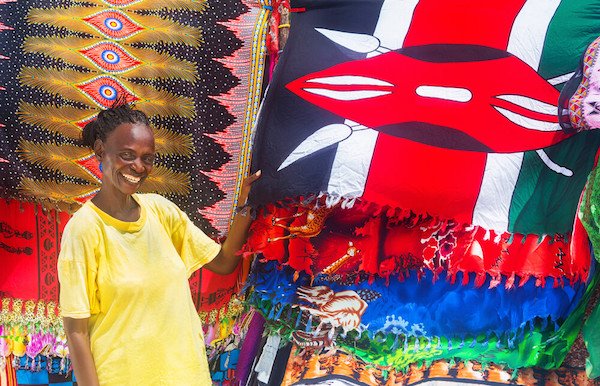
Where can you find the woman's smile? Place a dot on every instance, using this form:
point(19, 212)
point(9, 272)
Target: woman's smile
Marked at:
point(131, 179)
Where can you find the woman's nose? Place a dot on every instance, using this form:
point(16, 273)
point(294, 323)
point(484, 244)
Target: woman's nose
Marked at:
point(138, 166)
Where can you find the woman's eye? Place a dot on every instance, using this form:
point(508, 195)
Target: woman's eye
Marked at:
point(127, 156)
point(149, 159)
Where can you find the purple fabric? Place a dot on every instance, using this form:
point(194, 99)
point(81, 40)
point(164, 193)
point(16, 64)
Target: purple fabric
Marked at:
point(249, 349)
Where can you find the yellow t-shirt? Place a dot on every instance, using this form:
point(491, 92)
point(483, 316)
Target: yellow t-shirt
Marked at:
point(131, 280)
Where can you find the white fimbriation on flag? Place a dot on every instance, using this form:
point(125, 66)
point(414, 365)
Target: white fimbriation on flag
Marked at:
point(529, 30)
point(394, 21)
point(499, 180)
point(353, 156)
point(502, 170)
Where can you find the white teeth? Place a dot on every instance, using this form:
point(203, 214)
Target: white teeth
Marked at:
point(132, 179)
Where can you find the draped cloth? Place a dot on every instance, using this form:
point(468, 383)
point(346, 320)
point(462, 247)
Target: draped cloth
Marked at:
point(306, 369)
point(153, 55)
point(418, 196)
point(194, 67)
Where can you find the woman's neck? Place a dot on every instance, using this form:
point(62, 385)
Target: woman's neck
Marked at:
point(118, 205)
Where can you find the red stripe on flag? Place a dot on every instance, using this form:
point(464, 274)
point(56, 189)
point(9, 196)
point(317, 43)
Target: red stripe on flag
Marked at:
point(425, 179)
point(463, 22)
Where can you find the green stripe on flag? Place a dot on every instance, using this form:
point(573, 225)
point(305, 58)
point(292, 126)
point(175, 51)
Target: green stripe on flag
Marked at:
point(545, 202)
point(574, 26)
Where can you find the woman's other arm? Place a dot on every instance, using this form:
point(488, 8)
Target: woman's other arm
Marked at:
point(78, 339)
point(228, 258)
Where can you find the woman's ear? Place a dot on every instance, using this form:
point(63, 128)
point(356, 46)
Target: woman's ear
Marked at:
point(99, 149)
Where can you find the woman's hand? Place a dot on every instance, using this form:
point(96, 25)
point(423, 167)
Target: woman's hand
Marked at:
point(246, 185)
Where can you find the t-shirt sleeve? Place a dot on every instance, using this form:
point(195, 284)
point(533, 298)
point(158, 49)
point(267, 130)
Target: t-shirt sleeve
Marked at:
point(193, 245)
point(77, 270)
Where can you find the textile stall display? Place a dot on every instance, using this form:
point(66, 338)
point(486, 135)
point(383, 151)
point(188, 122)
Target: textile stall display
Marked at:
point(195, 67)
point(417, 215)
point(419, 190)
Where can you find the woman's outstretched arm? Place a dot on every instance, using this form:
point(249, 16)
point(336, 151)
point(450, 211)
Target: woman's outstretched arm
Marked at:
point(228, 258)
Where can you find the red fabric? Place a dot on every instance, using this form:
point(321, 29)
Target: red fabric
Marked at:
point(216, 290)
point(29, 245)
point(394, 244)
point(444, 168)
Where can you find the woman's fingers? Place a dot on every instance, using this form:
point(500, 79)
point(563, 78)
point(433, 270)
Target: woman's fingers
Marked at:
point(253, 177)
point(248, 181)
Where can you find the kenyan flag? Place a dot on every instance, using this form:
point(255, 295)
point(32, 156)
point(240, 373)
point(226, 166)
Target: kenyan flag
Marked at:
point(441, 108)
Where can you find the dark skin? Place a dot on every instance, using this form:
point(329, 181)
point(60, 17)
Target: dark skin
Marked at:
point(127, 157)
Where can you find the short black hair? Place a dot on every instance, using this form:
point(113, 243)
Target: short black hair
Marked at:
point(108, 120)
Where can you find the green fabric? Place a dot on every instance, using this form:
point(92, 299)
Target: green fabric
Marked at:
point(589, 211)
point(555, 349)
point(589, 215)
point(591, 337)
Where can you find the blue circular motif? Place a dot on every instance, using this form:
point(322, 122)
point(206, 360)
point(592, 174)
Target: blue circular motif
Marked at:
point(108, 92)
point(110, 56)
point(113, 24)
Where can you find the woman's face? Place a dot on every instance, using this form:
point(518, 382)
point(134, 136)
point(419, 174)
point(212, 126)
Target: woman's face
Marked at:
point(127, 157)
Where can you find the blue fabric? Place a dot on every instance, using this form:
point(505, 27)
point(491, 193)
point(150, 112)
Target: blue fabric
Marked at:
point(234, 355)
point(228, 360)
point(25, 375)
point(422, 307)
point(218, 376)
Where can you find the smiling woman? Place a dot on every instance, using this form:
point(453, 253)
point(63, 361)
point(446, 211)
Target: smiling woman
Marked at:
point(124, 266)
